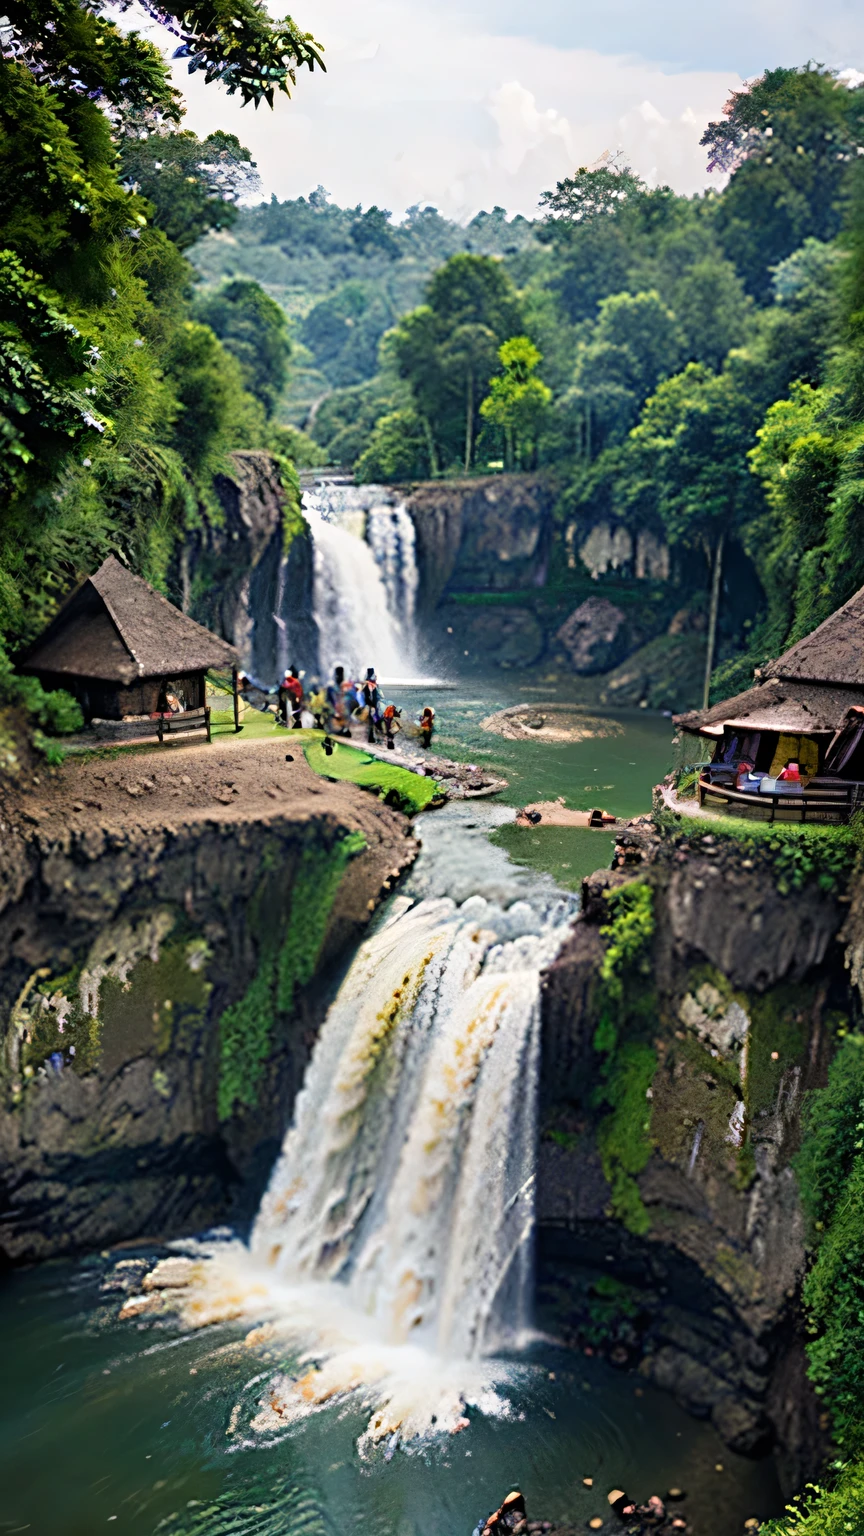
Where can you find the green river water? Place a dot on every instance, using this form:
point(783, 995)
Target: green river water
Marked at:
point(133, 1424)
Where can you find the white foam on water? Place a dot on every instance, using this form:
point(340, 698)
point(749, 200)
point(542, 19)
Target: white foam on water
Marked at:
point(393, 1246)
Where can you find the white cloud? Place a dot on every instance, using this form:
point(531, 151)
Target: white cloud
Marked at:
point(419, 105)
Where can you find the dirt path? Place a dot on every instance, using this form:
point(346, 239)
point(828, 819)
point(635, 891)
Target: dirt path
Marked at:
point(232, 780)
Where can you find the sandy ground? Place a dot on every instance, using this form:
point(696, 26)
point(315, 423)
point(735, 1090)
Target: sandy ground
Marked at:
point(232, 779)
point(555, 813)
point(548, 722)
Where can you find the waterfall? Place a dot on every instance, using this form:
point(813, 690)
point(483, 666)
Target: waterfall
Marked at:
point(393, 1246)
point(365, 580)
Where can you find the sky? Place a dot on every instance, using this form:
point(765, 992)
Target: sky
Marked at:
point(427, 101)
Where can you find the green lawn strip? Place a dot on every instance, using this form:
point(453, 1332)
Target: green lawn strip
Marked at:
point(413, 791)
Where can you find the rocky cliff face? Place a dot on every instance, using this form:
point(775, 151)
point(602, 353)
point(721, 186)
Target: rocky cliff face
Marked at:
point(161, 983)
point(248, 579)
point(743, 991)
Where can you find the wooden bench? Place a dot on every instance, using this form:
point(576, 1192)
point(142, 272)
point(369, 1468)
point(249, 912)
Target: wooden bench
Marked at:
point(186, 720)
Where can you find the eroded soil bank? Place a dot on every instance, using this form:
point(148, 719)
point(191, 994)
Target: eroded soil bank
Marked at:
point(171, 929)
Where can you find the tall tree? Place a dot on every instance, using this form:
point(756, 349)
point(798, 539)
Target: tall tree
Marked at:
point(686, 465)
point(517, 401)
point(788, 138)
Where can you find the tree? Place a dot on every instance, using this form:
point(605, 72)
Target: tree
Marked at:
point(788, 138)
point(254, 329)
point(635, 343)
point(115, 408)
point(193, 185)
point(470, 353)
point(686, 465)
point(372, 233)
point(397, 450)
point(471, 308)
point(595, 191)
point(517, 401)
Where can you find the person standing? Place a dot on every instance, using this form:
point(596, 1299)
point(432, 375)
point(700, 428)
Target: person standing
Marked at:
point(427, 726)
point(291, 698)
point(371, 703)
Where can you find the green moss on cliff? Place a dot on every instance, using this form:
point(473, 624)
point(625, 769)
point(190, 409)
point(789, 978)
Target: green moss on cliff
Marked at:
point(289, 949)
point(627, 1005)
point(830, 1170)
point(794, 853)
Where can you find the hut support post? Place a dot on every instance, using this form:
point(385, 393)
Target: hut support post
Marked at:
point(234, 680)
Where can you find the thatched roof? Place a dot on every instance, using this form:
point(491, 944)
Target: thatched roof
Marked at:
point(796, 709)
point(833, 653)
point(115, 628)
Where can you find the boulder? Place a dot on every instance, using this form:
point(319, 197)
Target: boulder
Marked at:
point(596, 637)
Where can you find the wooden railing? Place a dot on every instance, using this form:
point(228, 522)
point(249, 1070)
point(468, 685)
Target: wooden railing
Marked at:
point(822, 799)
point(186, 720)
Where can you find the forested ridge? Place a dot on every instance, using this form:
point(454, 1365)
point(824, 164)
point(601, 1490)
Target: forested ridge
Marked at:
point(692, 367)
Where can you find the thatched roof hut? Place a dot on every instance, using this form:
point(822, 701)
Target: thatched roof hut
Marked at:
point(799, 731)
point(117, 646)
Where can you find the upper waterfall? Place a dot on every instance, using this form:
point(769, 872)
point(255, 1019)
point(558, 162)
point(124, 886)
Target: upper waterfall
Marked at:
point(365, 582)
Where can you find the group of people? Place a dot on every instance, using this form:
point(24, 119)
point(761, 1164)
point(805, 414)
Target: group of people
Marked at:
point(332, 706)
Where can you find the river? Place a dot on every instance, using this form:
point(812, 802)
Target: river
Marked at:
point(157, 1425)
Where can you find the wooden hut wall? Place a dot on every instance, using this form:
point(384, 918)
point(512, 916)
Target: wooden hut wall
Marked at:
point(102, 700)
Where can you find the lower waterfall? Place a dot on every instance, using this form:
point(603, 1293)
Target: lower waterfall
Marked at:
point(393, 1247)
point(365, 581)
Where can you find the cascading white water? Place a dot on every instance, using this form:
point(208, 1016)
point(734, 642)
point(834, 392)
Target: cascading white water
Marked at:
point(393, 1244)
point(365, 580)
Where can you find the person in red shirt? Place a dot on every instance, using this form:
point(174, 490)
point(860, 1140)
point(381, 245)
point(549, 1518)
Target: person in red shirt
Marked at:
point(291, 698)
point(791, 773)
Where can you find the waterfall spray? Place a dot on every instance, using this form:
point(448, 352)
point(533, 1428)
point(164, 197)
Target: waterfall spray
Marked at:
point(393, 1246)
point(365, 580)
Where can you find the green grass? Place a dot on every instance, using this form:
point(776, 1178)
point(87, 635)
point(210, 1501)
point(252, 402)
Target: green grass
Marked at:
point(796, 853)
point(410, 792)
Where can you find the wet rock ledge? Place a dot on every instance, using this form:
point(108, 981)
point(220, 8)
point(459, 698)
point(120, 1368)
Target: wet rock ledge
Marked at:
point(677, 1248)
point(172, 927)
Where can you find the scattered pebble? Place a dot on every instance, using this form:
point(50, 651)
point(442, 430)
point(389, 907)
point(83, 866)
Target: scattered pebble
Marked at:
point(588, 1482)
point(775, 1055)
point(596, 1524)
point(718, 1466)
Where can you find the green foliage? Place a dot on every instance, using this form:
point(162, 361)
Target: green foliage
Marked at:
point(54, 711)
point(830, 1169)
point(629, 935)
point(623, 1137)
point(517, 402)
point(254, 329)
point(444, 351)
point(594, 192)
point(116, 409)
point(788, 137)
point(193, 184)
point(397, 450)
point(287, 960)
point(312, 897)
point(832, 1508)
point(793, 854)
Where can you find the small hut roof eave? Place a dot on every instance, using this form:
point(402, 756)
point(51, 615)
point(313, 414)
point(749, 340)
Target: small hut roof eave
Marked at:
point(789, 708)
point(116, 628)
point(833, 653)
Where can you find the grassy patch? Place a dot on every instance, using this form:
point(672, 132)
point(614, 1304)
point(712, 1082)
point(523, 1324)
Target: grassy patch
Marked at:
point(407, 791)
point(794, 853)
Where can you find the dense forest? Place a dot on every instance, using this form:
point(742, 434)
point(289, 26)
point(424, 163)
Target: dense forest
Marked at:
point(695, 365)
point(683, 364)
